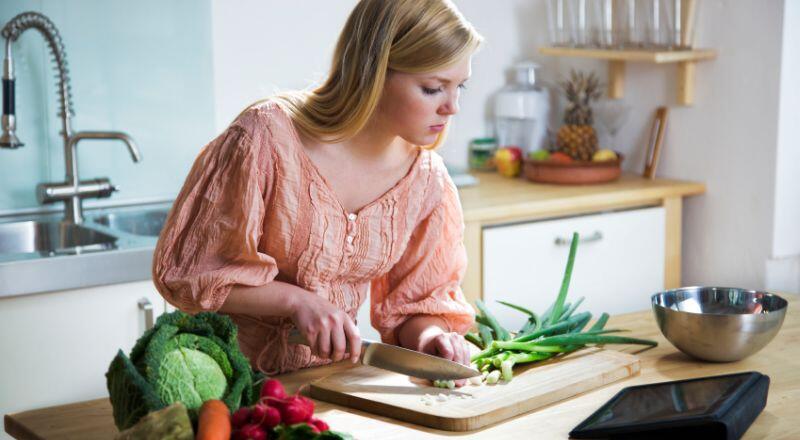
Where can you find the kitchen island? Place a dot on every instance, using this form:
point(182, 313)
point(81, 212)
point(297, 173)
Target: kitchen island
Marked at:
point(780, 360)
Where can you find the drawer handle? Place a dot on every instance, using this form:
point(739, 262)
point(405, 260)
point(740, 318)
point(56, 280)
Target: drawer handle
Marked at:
point(597, 236)
point(147, 307)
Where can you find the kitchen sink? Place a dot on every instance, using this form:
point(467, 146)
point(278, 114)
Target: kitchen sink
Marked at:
point(51, 238)
point(112, 245)
point(147, 223)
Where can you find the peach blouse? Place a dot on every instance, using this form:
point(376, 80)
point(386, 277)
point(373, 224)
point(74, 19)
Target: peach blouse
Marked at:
point(254, 209)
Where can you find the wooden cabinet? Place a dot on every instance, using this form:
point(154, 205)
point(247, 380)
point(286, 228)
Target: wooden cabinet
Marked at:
point(56, 346)
point(619, 263)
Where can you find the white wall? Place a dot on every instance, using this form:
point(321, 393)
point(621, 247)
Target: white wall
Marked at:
point(261, 47)
point(783, 269)
point(728, 139)
point(264, 46)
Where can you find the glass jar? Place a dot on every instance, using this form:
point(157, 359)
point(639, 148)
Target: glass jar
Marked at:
point(481, 154)
point(522, 110)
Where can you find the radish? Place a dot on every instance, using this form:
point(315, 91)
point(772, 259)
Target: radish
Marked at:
point(258, 413)
point(251, 432)
point(272, 418)
point(240, 417)
point(296, 409)
point(273, 388)
point(319, 424)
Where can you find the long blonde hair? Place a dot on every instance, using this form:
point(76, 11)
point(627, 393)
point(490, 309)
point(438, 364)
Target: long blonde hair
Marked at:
point(410, 36)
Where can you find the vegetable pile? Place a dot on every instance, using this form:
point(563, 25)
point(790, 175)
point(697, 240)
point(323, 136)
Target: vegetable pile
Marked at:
point(558, 331)
point(280, 416)
point(183, 358)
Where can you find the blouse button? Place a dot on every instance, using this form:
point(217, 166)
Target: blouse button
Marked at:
point(351, 217)
point(349, 239)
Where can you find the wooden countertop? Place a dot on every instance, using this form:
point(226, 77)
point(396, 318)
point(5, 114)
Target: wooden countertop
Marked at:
point(497, 197)
point(780, 360)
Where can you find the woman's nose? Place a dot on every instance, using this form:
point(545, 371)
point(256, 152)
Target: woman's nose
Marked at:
point(450, 107)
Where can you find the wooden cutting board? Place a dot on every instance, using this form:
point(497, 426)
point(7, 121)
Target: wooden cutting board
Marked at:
point(474, 406)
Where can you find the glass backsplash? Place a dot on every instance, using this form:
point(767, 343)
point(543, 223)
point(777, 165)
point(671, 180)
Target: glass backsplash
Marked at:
point(141, 67)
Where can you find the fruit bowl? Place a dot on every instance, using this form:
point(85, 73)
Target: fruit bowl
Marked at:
point(573, 173)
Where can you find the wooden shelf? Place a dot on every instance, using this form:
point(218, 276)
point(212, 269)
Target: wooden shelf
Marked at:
point(646, 56)
point(685, 60)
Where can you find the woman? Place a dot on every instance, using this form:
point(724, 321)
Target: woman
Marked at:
point(312, 199)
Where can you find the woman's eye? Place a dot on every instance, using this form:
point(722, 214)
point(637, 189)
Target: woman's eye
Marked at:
point(429, 91)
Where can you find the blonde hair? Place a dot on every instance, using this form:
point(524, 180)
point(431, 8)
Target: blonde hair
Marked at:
point(410, 36)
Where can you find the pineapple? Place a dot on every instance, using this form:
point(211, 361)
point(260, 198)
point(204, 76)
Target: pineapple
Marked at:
point(576, 137)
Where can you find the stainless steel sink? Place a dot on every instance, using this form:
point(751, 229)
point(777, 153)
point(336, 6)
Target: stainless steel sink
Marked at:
point(112, 245)
point(147, 223)
point(51, 238)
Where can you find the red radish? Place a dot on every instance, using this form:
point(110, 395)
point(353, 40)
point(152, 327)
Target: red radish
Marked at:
point(272, 418)
point(296, 409)
point(258, 413)
point(319, 424)
point(273, 388)
point(314, 429)
point(252, 432)
point(309, 404)
point(240, 417)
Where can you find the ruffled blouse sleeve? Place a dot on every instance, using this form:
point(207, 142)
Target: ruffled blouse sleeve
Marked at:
point(426, 280)
point(210, 239)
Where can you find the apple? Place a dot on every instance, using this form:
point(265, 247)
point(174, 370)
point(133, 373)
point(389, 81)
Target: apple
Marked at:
point(508, 161)
point(539, 155)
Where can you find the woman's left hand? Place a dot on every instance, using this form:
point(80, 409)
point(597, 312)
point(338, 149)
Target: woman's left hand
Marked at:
point(451, 346)
point(428, 335)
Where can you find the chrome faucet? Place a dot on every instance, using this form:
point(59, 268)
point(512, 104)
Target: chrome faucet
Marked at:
point(73, 190)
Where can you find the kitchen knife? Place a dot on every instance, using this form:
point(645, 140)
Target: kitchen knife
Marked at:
point(404, 361)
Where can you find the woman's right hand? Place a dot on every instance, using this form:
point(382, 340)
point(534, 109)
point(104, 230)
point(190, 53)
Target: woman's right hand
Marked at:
point(329, 331)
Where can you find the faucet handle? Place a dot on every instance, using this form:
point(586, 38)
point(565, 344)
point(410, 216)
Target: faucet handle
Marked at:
point(57, 192)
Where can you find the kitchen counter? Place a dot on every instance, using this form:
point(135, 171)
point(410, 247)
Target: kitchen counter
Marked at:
point(498, 200)
point(780, 360)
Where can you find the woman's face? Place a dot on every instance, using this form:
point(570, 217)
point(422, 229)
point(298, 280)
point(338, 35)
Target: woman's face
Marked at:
point(416, 106)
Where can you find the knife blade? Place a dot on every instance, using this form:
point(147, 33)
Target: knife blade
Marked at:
point(404, 361)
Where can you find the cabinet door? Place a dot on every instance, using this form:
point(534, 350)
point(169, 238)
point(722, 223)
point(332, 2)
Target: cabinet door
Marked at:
point(365, 328)
point(619, 263)
point(57, 346)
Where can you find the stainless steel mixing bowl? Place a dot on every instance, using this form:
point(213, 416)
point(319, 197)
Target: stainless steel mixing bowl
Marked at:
point(719, 324)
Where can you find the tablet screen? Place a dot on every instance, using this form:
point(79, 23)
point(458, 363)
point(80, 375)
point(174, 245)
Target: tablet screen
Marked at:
point(661, 402)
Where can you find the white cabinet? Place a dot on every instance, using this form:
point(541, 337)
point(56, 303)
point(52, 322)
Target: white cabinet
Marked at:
point(365, 328)
point(56, 347)
point(618, 266)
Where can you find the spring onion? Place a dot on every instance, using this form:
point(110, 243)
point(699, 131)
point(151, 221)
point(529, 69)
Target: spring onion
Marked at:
point(560, 330)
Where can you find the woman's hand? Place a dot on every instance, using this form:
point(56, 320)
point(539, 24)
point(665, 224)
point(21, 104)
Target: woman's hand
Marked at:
point(427, 334)
point(328, 330)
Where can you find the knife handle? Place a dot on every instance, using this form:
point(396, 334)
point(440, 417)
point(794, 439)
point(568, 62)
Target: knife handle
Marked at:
point(295, 337)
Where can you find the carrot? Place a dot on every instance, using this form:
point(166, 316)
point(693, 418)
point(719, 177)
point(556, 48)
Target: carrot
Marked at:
point(214, 422)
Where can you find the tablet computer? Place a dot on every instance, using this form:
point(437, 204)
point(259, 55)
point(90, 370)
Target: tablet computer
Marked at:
point(714, 407)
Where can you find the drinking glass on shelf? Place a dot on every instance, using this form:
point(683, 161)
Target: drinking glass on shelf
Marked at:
point(558, 23)
point(633, 23)
point(602, 23)
point(682, 20)
point(660, 23)
point(581, 32)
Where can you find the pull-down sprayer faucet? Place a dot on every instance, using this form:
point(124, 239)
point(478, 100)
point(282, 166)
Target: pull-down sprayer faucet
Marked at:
point(72, 191)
